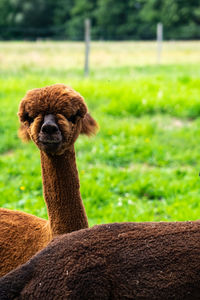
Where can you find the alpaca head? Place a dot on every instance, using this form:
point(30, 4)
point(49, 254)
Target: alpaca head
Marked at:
point(53, 117)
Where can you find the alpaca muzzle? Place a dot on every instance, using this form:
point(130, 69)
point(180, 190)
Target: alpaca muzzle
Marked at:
point(50, 136)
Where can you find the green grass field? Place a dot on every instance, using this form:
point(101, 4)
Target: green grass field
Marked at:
point(144, 163)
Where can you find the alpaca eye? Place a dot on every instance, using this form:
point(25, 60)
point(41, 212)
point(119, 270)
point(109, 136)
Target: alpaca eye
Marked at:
point(28, 118)
point(72, 119)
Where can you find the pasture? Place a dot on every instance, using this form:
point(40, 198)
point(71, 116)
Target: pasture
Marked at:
point(144, 163)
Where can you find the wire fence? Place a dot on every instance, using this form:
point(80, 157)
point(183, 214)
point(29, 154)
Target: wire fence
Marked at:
point(59, 33)
point(63, 33)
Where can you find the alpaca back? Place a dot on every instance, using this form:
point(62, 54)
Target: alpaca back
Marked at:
point(21, 236)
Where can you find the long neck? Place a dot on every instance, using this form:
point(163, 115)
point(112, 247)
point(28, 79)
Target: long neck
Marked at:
point(62, 192)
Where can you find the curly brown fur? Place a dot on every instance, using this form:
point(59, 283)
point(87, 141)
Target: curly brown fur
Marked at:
point(21, 236)
point(113, 261)
point(53, 117)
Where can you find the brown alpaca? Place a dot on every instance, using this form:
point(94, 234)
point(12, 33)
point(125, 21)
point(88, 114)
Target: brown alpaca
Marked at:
point(52, 117)
point(149, 261)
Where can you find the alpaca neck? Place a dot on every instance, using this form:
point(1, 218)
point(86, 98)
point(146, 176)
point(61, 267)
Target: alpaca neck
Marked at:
point(62, 192)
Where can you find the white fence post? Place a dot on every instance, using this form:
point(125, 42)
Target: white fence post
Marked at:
point(87, 46)
point(159, 41)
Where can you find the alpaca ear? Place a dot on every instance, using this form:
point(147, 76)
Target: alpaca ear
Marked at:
point(23, 133)
point(89, 125)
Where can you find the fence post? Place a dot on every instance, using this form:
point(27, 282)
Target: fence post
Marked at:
point(159, 41)
point(87, 46)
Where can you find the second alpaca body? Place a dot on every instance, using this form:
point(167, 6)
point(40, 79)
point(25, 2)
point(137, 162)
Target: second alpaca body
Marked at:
point(148, 261)
point(52, 117)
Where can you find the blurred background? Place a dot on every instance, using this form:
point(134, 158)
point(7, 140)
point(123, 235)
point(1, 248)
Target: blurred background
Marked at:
point(111, 20)
point(137, 64)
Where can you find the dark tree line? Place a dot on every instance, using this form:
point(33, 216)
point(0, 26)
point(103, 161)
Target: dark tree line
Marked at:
point(111, 19)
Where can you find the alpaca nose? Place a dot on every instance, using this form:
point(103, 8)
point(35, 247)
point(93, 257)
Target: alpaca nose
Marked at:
point(49, 126)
